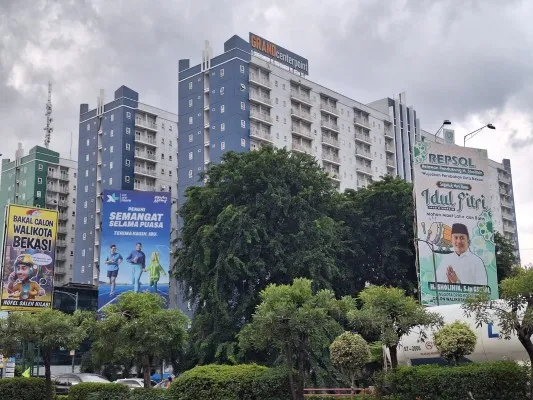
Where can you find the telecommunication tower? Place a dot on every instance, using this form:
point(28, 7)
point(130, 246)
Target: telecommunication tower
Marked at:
point(48, 129)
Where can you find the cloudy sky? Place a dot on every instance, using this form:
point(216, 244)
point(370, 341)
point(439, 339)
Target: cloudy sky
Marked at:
point(468, 61)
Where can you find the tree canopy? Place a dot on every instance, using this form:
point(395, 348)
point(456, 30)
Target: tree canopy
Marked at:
point(506, 261)
point(350, 352)
point(455, 341)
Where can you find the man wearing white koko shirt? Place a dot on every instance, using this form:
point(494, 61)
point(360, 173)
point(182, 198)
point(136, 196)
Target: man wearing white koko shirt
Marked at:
point(462, 266)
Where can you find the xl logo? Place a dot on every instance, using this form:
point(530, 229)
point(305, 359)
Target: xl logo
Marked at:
point(492, 334)
point(112, 198)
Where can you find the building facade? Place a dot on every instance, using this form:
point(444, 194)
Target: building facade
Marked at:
point(44, 179)
point(123, 145)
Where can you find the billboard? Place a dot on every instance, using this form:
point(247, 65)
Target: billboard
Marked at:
point(28, 258)
point(278, 53)
point(134, 244)
point(454, 223)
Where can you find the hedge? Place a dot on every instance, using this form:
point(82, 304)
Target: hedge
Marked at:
point(356, 397)
point(89, 391)
point(500, 380)
point(231, 382)
point(61, 397)
point(22, 389)
point(148, 394)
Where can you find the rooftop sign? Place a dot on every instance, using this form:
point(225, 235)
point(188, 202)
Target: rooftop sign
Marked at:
point(279, 54)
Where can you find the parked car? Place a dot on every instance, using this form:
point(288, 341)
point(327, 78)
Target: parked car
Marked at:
point(134, 383)
point(64, 382)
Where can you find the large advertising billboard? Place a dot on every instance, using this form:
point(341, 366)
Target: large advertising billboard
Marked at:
point(454, 223)
point(28, 258)
point(135, 244)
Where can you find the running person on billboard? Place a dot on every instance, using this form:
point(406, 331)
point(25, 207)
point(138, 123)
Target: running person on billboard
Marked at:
point(462, 266)
point(155, 269)
point(19, 283)
point(113, 261)
point(137, 259)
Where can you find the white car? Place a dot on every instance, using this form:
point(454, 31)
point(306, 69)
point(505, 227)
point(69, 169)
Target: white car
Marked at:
point(133, 383)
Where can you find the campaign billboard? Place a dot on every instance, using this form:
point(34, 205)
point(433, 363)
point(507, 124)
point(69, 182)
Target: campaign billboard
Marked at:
point(134, 244)
point(455, 238)
point(28, 258)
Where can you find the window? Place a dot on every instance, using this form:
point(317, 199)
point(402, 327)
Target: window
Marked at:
point(40, 167)
point(222, 126)
point(110, 181)
point(277, 100)
point(39, 180)
point(84, 206)
point(86, 188)
point(190, 120)
point(222, 91)
point(243, 142)
point(170, 173)
point(169, 158)
point(190, 85)
point(74, 187)
point(277, 118)
point(222, 108)
point(88, 142)
point(190, 173)
point(110, 149)
point(86, 157)
point(127, 179)
point(276, 83)
point(83, 251)
point(38, 193)
point(111, 165)
point(190, 102)
point(221, 72)
point(222, 145)
point(128, 131)
point(242, 69)
point(170, 143)
point(128, 115)
point(243, 123)
point(190, 138)
point(162, 140)
point(162, 156)
point(243, 105)
point(84, 236)
point(128, 146)
point(127, 163)
point(112, 117)
point(112, 134)
point(85, 220)
point(190, 155)
point(74, 174)
point(88, 127)
point(170, 128)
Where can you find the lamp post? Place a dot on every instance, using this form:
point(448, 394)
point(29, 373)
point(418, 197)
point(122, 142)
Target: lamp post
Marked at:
point(474, 133)
point(445, 122)
point(432, 247)
point(75, 297)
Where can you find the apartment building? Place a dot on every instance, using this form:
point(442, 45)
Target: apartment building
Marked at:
point(43, 179)
point(124, 145)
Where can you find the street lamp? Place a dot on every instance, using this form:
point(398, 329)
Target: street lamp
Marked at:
point(445, 122)
point(472, 134)
point(75, 297)
point(432, 247)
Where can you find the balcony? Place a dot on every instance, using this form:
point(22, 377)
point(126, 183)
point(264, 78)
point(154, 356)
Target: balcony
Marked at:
point(334, 175)
point(261, 116)
point(361, 153)
point(62, 203)
point(61, 243)
point(364, 169)
point(363, 122)
point(301, 97)
point(261, 134)
point(52, 188)
point(52, 175)
point(507, 227)
point(331, 125)
point(504, 178)
point(506, 203)
point(299, 130)
point(504, 191)
point(330, 109)
point(260, 98)
point(332, 158)
point(61, 257)
point(63, 189)
point(64, 177)
point(146, 124)
point(145, 171)
point(330, 141)
point(389, 134)
point(59, 270)
point(301, 148)
point(300, 113)
point(259, 80)
point(360, 137)
point(145, 155)
point(145, 139)
point(63, 217)
point(51, 201)
point(508, 216)
point(62, 229)
point(391, 162)
point(144, 188)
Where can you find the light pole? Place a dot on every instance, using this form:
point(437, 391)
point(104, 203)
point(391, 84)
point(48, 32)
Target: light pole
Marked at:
point(75, 297)
point(445, 122)
point(432, 247)
point(472, 134)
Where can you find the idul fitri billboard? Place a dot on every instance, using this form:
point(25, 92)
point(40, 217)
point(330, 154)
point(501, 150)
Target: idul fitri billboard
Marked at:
point(135, 244)
point(454, 223)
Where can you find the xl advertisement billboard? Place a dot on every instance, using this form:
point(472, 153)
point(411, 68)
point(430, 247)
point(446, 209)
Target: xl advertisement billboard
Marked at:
point(454, 223)
point(28, 258)
point(135, 244)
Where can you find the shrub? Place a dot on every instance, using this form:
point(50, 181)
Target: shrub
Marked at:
point(110, 391)
point(228, 382)
point(148, 394)
point(455, 341)
point(22, 388)
point(500, 380)
point(61, 397)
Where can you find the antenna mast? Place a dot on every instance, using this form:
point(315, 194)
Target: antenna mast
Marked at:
point(48, 129)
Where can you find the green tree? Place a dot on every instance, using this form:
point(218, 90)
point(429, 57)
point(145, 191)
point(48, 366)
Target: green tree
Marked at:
point(297, 322)
point(389, 313)
point(137, 329)
point(380, 248)
point(455, 341)
point(350, 353)
point(513, 311)
point(47, 329)
point(261, 218)
point(506, 261)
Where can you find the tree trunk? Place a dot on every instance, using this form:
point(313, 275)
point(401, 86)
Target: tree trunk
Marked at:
point(526, 342)
point(146, 371)
point(47, 355)
point(301, 374)
point(393, 351)
point(288, 356)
